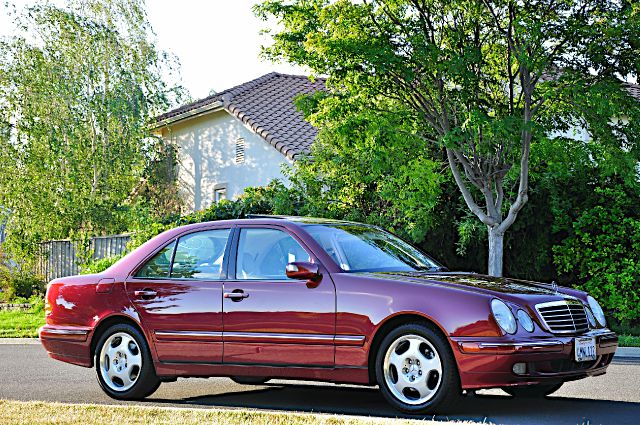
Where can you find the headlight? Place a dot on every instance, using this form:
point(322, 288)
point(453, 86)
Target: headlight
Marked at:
point(503, 316)
point(525, 320)
point(590, 318)
point(597, 310)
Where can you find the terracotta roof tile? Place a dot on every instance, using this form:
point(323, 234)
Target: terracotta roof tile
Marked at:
point(266, 104)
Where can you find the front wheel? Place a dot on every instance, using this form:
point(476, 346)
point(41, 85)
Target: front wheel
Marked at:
point(532, 391)
point(124, 365)
point(416, 371)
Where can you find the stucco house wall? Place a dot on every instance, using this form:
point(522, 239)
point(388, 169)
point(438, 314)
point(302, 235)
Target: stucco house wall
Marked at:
point(206, 147)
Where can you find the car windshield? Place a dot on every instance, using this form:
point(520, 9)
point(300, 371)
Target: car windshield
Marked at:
point(359, 248)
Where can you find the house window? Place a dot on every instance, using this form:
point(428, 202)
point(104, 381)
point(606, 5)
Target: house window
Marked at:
point(219, 192)
point(219, 195)
point(240, 146)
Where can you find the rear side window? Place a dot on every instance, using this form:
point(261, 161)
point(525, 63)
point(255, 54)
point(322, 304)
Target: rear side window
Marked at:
point(160, 265)
point(200, 255)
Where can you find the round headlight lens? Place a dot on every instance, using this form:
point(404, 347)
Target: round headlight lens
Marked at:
point(597, 310)
point(525, 320)
point(503, 316)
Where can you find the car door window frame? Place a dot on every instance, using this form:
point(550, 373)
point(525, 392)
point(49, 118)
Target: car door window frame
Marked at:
point(176, 240)
point(235, 244)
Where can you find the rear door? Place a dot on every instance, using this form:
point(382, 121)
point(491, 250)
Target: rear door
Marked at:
point(178, 294)
point(268, 318)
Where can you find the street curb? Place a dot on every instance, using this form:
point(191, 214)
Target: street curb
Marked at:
point(19, 341)
point(632, 352)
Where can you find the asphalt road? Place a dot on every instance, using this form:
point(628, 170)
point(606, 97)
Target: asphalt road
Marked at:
point(26, 373)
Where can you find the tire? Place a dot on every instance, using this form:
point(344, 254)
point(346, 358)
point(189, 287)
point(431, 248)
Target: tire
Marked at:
point(532, 391)
point(416, 370)
point(124, 366)
point(249, 380)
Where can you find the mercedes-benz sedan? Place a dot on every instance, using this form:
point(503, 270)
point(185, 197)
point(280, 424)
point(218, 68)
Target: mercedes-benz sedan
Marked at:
point(314, 299)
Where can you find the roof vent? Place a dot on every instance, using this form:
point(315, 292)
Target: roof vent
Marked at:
point(240, 145)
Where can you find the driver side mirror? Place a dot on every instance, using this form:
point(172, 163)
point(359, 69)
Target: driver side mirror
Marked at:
point(303, 270)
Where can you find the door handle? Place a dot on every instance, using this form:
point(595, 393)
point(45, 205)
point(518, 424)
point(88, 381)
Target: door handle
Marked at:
point(145, 293)
point(237, 295)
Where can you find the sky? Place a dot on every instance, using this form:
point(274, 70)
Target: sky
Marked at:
point(217, 41)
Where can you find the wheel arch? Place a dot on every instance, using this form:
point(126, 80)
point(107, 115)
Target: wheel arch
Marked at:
point(109, 321)
point(391, 322)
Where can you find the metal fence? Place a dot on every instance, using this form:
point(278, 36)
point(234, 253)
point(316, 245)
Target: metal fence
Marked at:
point(59, 259)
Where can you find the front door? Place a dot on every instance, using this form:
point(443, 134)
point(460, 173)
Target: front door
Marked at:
point(178, 294)
point(268, 318)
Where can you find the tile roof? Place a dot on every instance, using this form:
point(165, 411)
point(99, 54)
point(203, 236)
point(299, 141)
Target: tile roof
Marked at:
point(266, 104)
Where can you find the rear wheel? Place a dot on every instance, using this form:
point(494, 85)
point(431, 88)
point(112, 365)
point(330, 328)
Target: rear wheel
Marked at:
point(532, 391)
point(249, 380)
point(123, 364)
point(416, 371)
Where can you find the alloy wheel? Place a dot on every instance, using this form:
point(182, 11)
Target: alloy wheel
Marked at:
point(412, 369)
point(120, 361)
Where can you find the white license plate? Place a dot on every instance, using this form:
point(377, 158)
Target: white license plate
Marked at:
point(585, 349)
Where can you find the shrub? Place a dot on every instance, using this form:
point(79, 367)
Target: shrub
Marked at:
point(100, 265)
point(602, 255)
point(16, 282)
point(274, 198)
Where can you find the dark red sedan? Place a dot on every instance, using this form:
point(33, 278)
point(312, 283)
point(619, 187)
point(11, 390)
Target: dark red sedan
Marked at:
point(303, 298)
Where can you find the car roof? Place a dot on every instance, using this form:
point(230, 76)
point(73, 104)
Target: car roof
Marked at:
point(274, 219)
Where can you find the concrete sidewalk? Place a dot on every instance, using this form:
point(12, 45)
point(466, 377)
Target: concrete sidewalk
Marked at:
point(629, 355)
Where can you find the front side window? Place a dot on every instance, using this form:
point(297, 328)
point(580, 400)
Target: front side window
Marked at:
point(263, 254)
point(159, 266)
point(200, 255)
point(358, 248)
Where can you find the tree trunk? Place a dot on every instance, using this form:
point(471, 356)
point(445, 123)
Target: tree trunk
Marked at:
point(496, 251)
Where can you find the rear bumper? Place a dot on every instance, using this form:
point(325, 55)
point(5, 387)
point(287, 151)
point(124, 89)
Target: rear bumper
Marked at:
point(67, 343)
point(488, 362)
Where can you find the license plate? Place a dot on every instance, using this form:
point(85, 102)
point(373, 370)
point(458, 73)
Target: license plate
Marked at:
point(585, 349)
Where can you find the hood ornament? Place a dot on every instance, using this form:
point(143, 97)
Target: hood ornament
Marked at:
point(554, 286)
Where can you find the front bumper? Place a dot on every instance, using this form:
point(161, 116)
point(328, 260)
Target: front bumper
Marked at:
point(488, 362)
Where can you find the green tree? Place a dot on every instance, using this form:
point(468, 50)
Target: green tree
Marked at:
point(78, 85)
point(484, 79)
point(367, 165)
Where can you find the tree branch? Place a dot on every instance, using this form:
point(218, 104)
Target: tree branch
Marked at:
point(468, 197)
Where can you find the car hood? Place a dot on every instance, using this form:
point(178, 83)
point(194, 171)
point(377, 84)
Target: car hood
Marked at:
point(497, 286)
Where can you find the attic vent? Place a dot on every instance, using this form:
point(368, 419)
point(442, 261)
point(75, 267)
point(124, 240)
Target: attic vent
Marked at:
point(240, 145)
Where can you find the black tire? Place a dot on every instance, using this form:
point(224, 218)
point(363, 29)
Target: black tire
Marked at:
point(449, 390)
point(249, 380)
point(532, 391)
point(146, 383)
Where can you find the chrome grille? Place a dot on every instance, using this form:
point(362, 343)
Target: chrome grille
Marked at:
point(564, 316)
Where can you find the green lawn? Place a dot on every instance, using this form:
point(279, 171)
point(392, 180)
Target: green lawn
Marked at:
point(21, 323)
point(33, 412)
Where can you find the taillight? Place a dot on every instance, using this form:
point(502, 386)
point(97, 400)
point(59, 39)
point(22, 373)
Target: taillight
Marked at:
point(47, 306)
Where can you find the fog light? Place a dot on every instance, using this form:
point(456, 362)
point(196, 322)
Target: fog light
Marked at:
point(520, 368)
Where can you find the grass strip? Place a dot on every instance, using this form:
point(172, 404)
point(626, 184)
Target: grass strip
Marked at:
point(629, 341)
point(21, 323)
point(37, 412)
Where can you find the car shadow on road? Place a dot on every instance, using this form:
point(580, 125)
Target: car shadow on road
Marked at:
point(369, 402)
